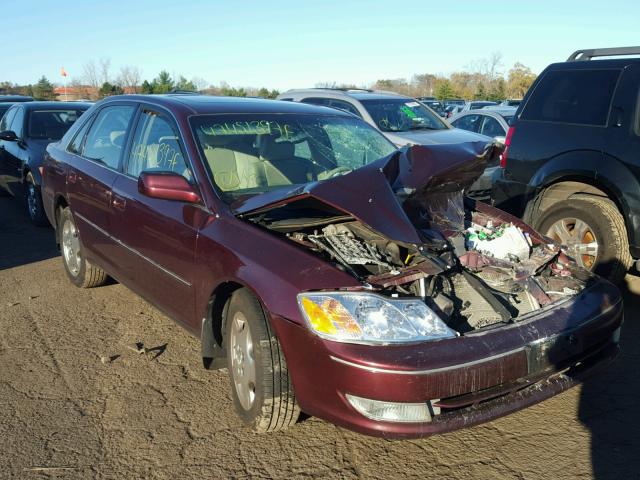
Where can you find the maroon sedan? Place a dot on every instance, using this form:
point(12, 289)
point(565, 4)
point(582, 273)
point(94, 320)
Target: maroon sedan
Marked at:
point(330, 272)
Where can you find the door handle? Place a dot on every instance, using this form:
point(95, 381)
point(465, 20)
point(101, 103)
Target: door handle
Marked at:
point(72, 177)
point(118, 202)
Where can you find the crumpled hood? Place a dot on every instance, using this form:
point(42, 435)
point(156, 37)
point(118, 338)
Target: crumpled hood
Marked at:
point(375, 193)
point(436, 137)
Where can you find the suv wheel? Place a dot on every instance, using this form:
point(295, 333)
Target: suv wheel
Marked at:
point(81, 273)
point(33, 200)
point(593, 232)
point(260, 384)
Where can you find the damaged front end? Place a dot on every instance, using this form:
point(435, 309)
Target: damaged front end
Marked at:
point(403, 228)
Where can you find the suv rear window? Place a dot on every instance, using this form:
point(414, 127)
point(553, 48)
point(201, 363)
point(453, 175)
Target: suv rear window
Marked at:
point(572, 96)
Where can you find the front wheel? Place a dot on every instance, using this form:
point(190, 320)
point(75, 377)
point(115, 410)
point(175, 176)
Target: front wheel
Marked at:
point(33, 200)
point(593, 232)
point(260, 384)
point(79, 270)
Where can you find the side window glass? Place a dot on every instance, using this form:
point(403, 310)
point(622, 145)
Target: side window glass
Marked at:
point(7, 118)
point(156, 148)
point(468, 122)
point(572, 96)
point(106, 136)
point(346, 106)
point(491, 127)
point(76, 144)
point(17, 124)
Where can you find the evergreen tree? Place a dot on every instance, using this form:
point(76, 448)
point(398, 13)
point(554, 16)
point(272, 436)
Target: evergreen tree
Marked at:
point(163, 83)
point(184, 84)
point(43, 90)
point(146, 87)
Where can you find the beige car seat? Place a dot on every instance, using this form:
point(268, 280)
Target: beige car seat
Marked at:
point(234, 163)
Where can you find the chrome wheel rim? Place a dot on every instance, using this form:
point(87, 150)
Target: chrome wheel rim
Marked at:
point(32, 201)
point(71, 247)
point(242, 361)
point(577, 238)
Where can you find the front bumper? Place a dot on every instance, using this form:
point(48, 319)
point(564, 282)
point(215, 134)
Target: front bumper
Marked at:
point(471, 379)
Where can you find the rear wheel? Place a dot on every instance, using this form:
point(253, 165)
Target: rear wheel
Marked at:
point(593, 232)
point(33, 201)
point(79, 270)
point(260, 384)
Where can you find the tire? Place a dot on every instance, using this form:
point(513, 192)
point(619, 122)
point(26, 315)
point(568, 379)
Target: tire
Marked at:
point(33, 202)
point(79, 271)
point(272, 405)
point(606, 228)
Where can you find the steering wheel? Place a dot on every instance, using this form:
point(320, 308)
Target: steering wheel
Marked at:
point(334, 172)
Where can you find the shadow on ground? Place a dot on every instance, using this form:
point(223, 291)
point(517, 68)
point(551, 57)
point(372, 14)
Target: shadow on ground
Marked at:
point(20, 241)
point(609, 404)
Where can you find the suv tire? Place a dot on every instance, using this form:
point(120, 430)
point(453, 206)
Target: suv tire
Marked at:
point(260, 384)
point(602, 223)
point(79, 270)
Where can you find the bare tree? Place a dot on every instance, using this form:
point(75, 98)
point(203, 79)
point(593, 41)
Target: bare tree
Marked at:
point(90, 74)
point(200, 83)
point(129, 78)
point(105, 66)
point(493, 65)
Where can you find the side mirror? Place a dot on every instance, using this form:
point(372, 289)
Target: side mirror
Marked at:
point(500, 139)
point(9, 136)
point(167, 186)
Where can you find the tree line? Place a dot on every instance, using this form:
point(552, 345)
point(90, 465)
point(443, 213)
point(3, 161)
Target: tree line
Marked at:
point(482, 80)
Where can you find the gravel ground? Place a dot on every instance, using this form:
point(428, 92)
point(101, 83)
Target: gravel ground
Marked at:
point(77, 402)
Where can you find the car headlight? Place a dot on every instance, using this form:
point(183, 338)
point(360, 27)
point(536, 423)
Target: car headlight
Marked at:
point(369, 318)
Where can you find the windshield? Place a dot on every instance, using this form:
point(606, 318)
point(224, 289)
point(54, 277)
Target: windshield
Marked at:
point(52, 124)
point(249, 154)
point(402, 115)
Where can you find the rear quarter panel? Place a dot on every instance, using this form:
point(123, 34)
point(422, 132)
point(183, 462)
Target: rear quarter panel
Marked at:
point(54, 181)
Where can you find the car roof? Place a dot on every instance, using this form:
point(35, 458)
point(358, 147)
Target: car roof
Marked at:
point(591, 64)
point(500, 109)
point(209, 104)
point(500, 113)
point(55, 105)
point(358, 94)
point(15, 98)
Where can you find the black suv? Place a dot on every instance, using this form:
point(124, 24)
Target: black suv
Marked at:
point(572, 162)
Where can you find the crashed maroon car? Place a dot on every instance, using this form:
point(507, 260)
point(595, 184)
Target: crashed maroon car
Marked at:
point(331, 273)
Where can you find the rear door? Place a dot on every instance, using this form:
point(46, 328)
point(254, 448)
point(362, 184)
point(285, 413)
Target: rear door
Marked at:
point(158, 236)
point(96, 153)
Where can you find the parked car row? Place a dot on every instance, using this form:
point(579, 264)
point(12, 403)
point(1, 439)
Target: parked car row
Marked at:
point(324, 252)
point(26, 128)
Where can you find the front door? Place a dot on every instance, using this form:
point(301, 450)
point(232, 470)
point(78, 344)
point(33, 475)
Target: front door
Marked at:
point(158, 237)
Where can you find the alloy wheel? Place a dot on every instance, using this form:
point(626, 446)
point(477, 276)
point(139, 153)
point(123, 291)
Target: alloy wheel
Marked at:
point(578, 239)
point(71, 247)
point(242, 361)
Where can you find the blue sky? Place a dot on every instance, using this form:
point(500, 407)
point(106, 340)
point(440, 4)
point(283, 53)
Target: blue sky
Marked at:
point(288, 44)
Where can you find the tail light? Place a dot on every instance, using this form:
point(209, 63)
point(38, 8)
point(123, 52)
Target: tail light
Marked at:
point(507, 143)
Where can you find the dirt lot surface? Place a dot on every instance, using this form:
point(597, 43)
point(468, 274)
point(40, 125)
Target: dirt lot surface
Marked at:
point(77, 402)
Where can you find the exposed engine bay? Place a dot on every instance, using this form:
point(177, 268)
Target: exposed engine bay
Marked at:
point(474, 265)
